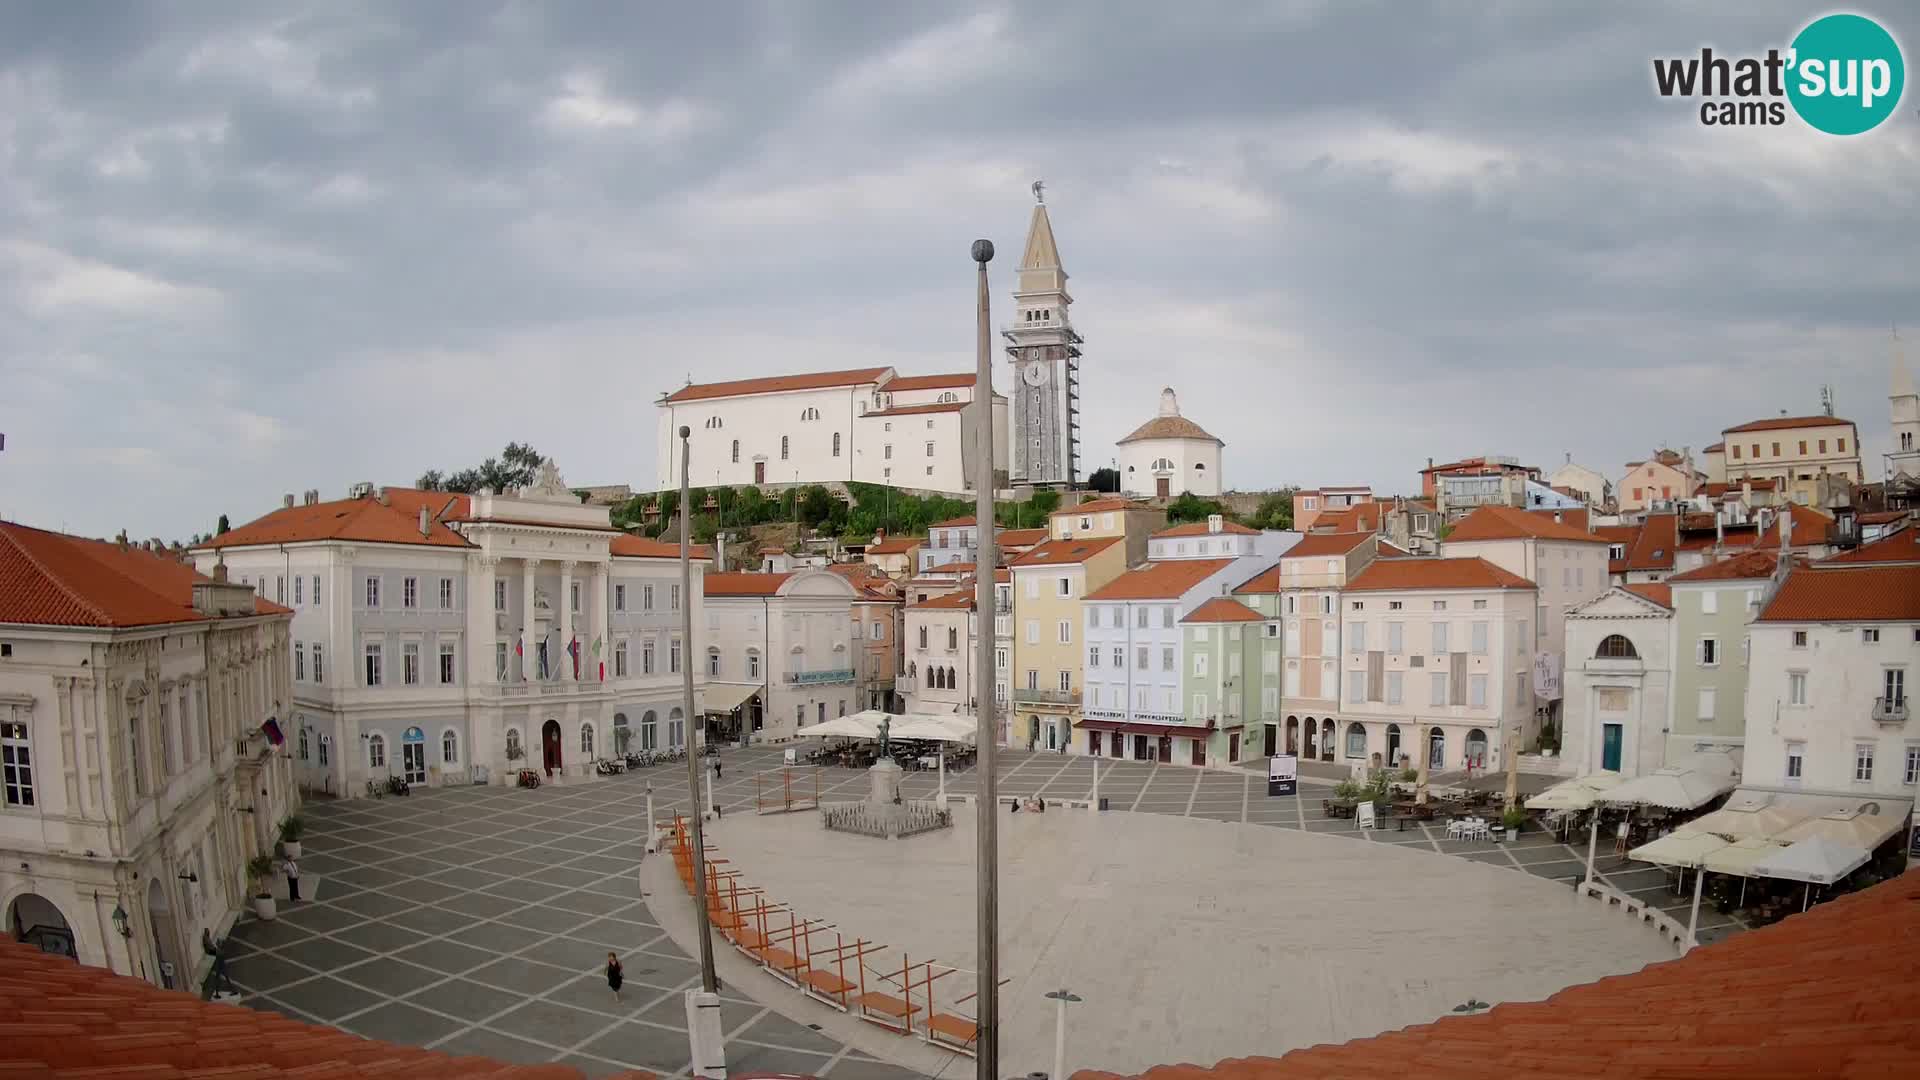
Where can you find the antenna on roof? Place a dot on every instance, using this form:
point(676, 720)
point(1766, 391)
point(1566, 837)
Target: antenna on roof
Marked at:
point(1826, 398)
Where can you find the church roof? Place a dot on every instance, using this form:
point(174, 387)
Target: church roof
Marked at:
point(779, 384)
point(1042, 253)
point(1170, 427)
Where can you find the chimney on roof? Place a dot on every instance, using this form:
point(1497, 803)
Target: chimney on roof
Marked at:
point(1216, 522)
point(121, 539)
point(1786, 526)
point(286, 501)
point(425, 530)
point(313, 496)
point(385, 499)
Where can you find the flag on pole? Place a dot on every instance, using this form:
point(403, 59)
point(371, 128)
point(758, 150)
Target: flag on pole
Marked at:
point(596, 655)
point(573, 650)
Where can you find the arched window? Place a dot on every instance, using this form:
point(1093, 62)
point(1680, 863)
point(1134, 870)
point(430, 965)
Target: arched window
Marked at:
point(1163, 464)
point(676, 728)
point(952, 683)
point(1477, 748)
point(449, 748)
point(303, 743)
point(713, 661)
point(514, 753)
point(586, 740)
point(649, 730)
point(1436, 749)
point(714, 422)
point(783, 448)
point(809, 414)
point(836, 444)
point(326, 748)
point(1356, 740)
point(1199, 466)
point(736, 451)
point(1616, 647)
point(376, 751)
point(930, 674)
point(622, 734)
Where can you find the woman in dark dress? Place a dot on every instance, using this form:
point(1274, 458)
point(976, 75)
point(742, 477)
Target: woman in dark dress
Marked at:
point(614, 975)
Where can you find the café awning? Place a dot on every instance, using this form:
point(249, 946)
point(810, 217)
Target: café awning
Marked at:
point(1687, 849)
point(1857, 827)
point(1692, 782)
point(719, 697)
point(1818, 861)
point(1738, 858)
point(953, 729)
point(856, 726)
point(1575, 794)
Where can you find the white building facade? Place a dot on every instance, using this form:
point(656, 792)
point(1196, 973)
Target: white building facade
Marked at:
point(140, 777)
point(790, 635)
point(1170, 455)
point(870, 425)
point(939, 677)
point(1829, 707)
point(1135, 654)
point(454, 640)
point(1618, 682)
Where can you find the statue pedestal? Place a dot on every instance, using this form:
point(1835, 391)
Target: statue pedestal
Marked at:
point(884, 801)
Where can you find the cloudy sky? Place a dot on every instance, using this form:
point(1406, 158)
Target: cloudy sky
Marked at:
point(247, 251)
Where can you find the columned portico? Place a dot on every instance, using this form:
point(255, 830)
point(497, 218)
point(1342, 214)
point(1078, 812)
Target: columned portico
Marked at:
point(526, 644)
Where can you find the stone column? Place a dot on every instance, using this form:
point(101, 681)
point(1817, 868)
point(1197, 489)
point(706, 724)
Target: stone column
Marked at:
point(565, 659)
point(602, 601)
point(529, 659)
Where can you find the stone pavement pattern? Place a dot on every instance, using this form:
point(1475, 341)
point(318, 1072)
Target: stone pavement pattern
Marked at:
point(477, 919)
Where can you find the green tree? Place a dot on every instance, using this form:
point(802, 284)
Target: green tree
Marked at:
point(1275, 512)
point(431, 480)
point(223, 528)
point(1104, 479)
point(516, 467)
point(1190, 507)
point(817, 506)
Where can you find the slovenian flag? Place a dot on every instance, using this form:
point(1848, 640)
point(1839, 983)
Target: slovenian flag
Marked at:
point(596, 655)
point(271, 729)
point(573, 650)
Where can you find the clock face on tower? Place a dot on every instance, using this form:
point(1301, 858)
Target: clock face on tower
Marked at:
point(1035, 373)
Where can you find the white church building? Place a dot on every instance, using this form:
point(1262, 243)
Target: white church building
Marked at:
point(1170, 455)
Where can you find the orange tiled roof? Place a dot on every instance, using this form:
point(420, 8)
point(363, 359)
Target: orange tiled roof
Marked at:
point(1199, 528)
point(53, 579)
point(1778, 422)
point(1221, 609)
point(1319, 544)
point(1829, 993)
point(1012, 538)
point(1433, 573)
point(929, 382)
point(364, 520)
point(1507, 523)
point(61, 1019)
point(1714, 448)
point(1170, 427)
point(1575, 517)
point(960, 599)
point(1065, 552)
point(896, 545)
point(744, 584)
point(1747, 565)
point(1897, 547)
point(1809, 525)
point(1099, 505)
point(1874, 592)
point(954, 523)
point(916, 410)
point(1657, 591)
point(1264, 582)
point(628, 546)
point(1360, 517)
point(1653, 547)
point(779, 384)
point(1159, 580)
point(1715, 490)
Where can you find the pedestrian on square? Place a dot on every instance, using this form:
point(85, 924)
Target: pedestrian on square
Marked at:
point(293, 881)
point(615, 975)
point(716, 768)
point(220, 976)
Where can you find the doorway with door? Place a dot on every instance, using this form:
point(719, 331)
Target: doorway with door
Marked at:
point(1436, 750)
point(413, 756)
point(1163, 486)
point(759, 472)
point(550, 746)
point(1393, 746)
point(1611, 736)
point(1272, 739)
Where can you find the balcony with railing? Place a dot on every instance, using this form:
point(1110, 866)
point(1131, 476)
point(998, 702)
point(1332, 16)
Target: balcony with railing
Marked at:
point(816, 678)
point(1023, 696)
point(1890, 711)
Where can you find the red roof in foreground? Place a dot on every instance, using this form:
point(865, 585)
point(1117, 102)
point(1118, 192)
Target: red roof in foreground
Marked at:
point(1507, 523)
point(1875, 592)
point(1749, 564)
point(1657, 591)
point(1066, 552)
point(53, 579)
point(1902, 546)
point(62, 1019)
point(1223, 609)
point(1829, 993)
point(744, 584)
point(364, 520)
point(628, 546)
point(1434, 573)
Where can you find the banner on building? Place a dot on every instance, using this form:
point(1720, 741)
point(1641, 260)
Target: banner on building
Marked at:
point(1283, 774)
point(1546, 676)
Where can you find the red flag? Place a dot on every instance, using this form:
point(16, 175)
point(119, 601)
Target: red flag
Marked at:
point(603, 671)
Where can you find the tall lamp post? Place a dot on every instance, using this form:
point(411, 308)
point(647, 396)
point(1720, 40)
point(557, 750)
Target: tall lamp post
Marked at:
point(986, 1064)
point(704, 1032)
point(1061, 997)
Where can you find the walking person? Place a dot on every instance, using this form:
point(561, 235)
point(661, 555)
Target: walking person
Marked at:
point(615, 975)
point(293, 881)
point(220, 976)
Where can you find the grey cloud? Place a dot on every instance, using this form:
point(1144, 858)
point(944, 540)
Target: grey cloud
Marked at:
point(253, 249)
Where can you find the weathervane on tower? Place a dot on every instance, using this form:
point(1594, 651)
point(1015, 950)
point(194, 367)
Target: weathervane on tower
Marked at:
point(1039, 192)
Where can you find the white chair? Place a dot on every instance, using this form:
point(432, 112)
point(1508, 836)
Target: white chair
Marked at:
point(1456, 828)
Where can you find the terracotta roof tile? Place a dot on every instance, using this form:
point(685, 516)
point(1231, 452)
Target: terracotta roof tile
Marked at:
point(1714, 448)
point(916, 410)
point(1873, 592)
point(1096, 506)
point(90, 1023)
point(1901, 546)
point(1507, 523)
point(1263, 583)
point(1432, 573)
point(1778, 422)
point(1829, 993)
point(1170, 427)
point(960, 599)
point(1019, 538)
point(1654, 546)
point(1575, 516)
point(1199, 528)
point(1322, 545)
point(1360, 517)
point(628, 546)
point(896, 545)
point(929, 382)
point(779, 384)
point(744, 584)
point(1159, 580)
point(1223, 609)
point(1746, 565)
point(954, 523)
point(362, 520)
point(53, 579)
point(1657, 591)
point(1065, 552)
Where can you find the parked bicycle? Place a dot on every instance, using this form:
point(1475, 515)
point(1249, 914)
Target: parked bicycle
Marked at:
point(374, 790)
point(528, 778)
point(398, 785)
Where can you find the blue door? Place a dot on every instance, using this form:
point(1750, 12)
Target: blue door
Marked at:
point(1610, 747)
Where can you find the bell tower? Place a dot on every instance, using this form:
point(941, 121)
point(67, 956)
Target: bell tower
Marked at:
point(1044, 350)
point(1903, 455)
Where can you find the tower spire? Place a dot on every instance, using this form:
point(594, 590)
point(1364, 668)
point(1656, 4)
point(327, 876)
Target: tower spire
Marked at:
point(1902, 381)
